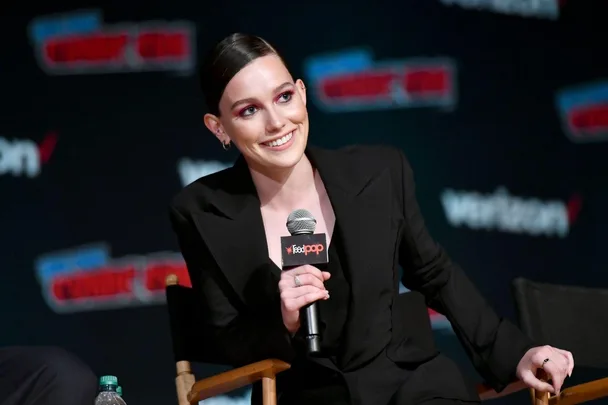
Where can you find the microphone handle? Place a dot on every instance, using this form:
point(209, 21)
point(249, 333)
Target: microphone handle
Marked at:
point(310, 316)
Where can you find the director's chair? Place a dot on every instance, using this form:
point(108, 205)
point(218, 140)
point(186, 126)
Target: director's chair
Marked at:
point(191, 343)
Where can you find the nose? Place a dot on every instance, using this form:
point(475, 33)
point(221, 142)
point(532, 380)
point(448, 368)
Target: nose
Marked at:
point(275, 121)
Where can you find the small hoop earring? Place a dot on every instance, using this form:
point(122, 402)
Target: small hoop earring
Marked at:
point(226, 145)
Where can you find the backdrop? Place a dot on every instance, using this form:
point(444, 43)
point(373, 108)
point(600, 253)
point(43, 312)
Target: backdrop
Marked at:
point(501, 107)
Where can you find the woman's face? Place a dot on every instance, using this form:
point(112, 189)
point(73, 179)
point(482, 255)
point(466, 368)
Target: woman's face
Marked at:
point(263, 112)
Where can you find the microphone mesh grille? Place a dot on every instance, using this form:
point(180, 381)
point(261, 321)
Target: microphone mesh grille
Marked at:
point(301, 221)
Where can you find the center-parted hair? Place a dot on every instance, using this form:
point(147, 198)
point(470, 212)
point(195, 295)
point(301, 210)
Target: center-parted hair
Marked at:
point(225, 60)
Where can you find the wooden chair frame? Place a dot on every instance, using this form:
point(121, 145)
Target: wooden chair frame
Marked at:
point(190, 391)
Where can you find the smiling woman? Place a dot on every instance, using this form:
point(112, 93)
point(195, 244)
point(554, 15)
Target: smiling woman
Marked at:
point(255, 103)
point(229, 226)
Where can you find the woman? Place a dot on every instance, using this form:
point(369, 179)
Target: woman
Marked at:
point(229, 226)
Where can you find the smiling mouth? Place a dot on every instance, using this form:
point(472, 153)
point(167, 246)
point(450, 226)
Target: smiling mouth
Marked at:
point(280, 141)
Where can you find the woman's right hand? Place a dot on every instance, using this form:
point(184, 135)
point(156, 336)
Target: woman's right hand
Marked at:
point(299, 287)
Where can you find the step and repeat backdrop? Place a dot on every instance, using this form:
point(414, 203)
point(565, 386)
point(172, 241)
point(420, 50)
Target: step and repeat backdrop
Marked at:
point(501, 107)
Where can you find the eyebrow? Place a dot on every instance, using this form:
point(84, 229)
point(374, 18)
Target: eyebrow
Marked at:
point(252, 100)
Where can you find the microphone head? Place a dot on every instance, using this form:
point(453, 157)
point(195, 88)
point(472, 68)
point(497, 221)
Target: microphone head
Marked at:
point(301, 221)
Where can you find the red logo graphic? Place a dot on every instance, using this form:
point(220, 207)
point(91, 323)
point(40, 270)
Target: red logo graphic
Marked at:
point(87, 278)
point(79, 43)
point(305, 249)
point(351, 80)
point(584, 112)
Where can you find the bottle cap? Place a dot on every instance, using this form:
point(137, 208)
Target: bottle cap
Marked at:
point(119, 391)
point(108, 380)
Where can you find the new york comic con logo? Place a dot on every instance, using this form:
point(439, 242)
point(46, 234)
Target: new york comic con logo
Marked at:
point(351, 80)
point(88, 278)
point(584, 112)
point(80, 43)
point(316, 248)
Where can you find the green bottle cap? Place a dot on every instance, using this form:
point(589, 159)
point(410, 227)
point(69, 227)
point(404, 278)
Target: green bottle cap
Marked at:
point(119, 391)
point(108, 380)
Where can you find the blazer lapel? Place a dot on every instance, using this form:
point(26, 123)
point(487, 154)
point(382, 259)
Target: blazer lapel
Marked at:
point(362, 204)
point(234, 234)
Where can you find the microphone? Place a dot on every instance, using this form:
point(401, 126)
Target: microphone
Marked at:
point(305, 247)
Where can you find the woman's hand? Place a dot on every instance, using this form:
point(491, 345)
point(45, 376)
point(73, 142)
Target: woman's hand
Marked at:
point(299, 287)
point(557, 363)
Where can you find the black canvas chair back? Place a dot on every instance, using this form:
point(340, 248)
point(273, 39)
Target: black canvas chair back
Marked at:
point(569, 317)
point(188, 335)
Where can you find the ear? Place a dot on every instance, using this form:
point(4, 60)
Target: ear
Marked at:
point(214, 125)
point(301, 89)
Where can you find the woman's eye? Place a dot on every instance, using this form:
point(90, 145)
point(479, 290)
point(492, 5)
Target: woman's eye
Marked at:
point(285, 96)
point(248, 111)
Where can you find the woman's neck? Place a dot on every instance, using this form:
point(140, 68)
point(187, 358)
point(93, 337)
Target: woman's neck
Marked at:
point(285, 190)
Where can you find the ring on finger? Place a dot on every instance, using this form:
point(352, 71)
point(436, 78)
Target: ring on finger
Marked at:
point(544, 362)
point(297, 281)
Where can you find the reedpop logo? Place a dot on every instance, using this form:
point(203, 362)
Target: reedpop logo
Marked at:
point(305, 249)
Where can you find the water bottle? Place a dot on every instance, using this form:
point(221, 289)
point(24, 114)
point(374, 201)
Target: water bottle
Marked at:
point(108, 391)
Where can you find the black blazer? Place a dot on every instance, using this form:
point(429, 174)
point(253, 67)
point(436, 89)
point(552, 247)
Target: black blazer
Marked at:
point(220, 231)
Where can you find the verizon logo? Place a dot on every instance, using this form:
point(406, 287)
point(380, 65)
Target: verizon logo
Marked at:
point(500, 211)
point(24, 157)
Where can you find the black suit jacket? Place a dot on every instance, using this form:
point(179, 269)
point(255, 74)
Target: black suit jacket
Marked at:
point(219, 226)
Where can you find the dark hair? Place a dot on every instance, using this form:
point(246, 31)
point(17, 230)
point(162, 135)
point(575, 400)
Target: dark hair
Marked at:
point(225, 60)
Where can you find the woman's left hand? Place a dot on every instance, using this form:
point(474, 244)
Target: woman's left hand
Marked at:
point(555, 362)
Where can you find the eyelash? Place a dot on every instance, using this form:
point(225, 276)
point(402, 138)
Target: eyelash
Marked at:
point(244, 110)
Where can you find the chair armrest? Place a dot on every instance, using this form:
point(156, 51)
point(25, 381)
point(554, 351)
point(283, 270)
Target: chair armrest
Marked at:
point(239, 377)
point(487, 393)
point(582, 393)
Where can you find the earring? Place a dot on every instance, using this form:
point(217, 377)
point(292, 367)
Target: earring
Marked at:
point(226, 145)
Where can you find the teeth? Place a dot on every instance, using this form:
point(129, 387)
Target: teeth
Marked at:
point(280, 141)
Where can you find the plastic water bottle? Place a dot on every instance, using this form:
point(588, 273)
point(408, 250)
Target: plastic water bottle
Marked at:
point(108, 391)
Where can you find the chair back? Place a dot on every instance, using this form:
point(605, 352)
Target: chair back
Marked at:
point(569, 317)
point(190, 340)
